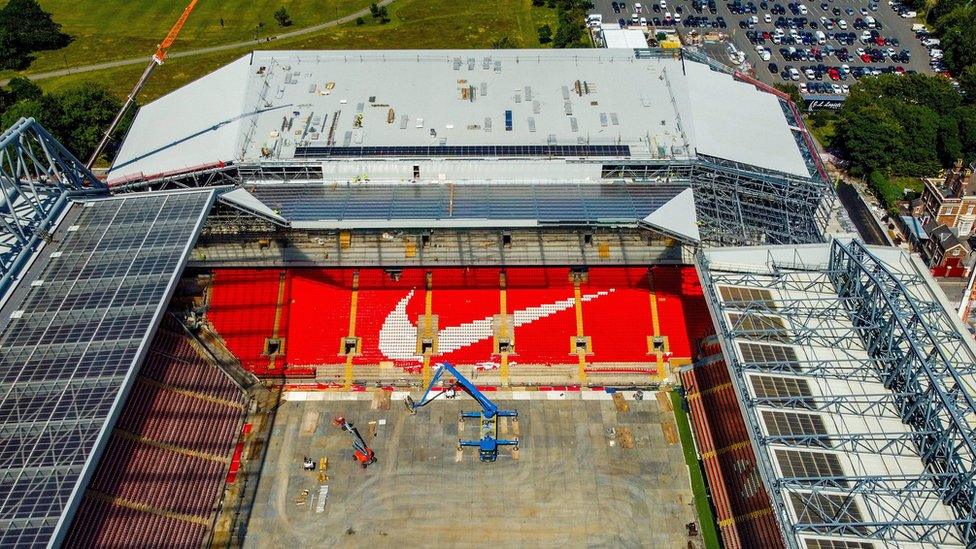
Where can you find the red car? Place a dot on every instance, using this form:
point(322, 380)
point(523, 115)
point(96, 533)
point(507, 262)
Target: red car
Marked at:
point(866, 58)
point(879, 41)
point(834, 74)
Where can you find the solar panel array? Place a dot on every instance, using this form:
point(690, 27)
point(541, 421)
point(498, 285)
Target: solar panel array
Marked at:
point(72, 342)
point(465, 150)
point(544, 202)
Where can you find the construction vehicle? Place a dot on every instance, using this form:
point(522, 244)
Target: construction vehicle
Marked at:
point(156, 60)
point(489, 442)
point(361, 452)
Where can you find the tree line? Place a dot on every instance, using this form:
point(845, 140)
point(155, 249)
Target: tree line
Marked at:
point(570, 25)
point(76, 116)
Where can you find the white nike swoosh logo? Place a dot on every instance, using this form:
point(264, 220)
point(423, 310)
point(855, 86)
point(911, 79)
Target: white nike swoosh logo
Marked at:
point(398, 336)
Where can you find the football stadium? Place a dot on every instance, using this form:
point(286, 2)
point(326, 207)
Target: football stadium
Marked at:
point(626, 258)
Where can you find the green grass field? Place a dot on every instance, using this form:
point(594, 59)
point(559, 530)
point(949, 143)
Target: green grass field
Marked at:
point(894, 189)
point(106, 30)
point(415, 24)
point(705, 518)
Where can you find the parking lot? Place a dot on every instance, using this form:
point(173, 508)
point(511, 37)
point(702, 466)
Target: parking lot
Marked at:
point(824, 63)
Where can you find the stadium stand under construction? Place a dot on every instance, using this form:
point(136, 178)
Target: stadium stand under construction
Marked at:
point(586, 235)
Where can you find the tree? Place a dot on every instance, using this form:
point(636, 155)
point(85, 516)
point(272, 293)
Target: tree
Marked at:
point(29, 108)
point(32, 27)
point(955, 29)
point(379, 12)
point(282, 17)
point(18, 89)
point(792, 89)
point(918, 141)
point(942, 8)
point(869, 137)
point(878, 182)
point(967, 133)
point(538, 3)
point(26, 28)
point(570, 15)
point(504, 43)
point(79, 115)
point(967, 84)
point(949, 146)
point(12, 56)
point(545, 34)
point(360, 21)
point(23, 88)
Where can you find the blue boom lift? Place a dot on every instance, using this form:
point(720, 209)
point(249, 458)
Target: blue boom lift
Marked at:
point(488, 416)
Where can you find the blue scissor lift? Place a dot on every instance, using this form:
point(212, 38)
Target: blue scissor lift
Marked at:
point(488, 416)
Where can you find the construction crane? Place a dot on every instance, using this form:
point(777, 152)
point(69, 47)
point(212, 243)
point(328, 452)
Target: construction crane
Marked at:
point(489, 442)
point(156, 60)
point(362, 453)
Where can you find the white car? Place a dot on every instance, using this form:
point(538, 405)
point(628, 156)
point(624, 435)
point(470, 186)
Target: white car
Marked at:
point(809, 74)
point(845, 88)
point(794, 74)
point(859, 52)
point(837, 89)
point(803, 87)
point(638, 8)
point(766, 54)
point(909, 14)
point(767, 18)
point(803, 10)
point(842, 24)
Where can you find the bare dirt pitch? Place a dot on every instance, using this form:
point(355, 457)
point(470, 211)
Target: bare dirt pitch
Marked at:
point(575, 483)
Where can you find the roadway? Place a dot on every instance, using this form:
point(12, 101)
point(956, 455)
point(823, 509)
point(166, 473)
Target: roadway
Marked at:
point(864, 220)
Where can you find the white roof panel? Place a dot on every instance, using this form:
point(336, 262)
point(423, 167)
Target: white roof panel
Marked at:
point(624, 38)
point(736, 122)
point(268, 104)
point(197, 124)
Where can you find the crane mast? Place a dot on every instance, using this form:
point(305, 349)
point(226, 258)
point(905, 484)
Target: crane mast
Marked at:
point(156, 60)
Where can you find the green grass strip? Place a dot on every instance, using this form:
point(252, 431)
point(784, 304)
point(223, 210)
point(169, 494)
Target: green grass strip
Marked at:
point(705, 518)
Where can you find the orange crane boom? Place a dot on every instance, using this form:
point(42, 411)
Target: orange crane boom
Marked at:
point(156, 60)
point(163, 47)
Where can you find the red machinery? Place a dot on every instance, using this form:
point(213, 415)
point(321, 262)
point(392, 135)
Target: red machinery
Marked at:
point(362, 453)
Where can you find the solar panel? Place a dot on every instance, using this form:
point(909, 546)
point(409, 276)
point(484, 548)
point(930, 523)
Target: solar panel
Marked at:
point(782, 387)
point(762, 352)
point(544, 202)
point(803, 464)
point(465, 150)
point(782, 423)
point(737, 297)
point(76, 336)
point(826, 508)
point(758, 326)
point(838, 544)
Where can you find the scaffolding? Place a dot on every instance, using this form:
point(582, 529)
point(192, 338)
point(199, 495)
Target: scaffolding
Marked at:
point(856, 383)
point(736, 204)
point(37, 178)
